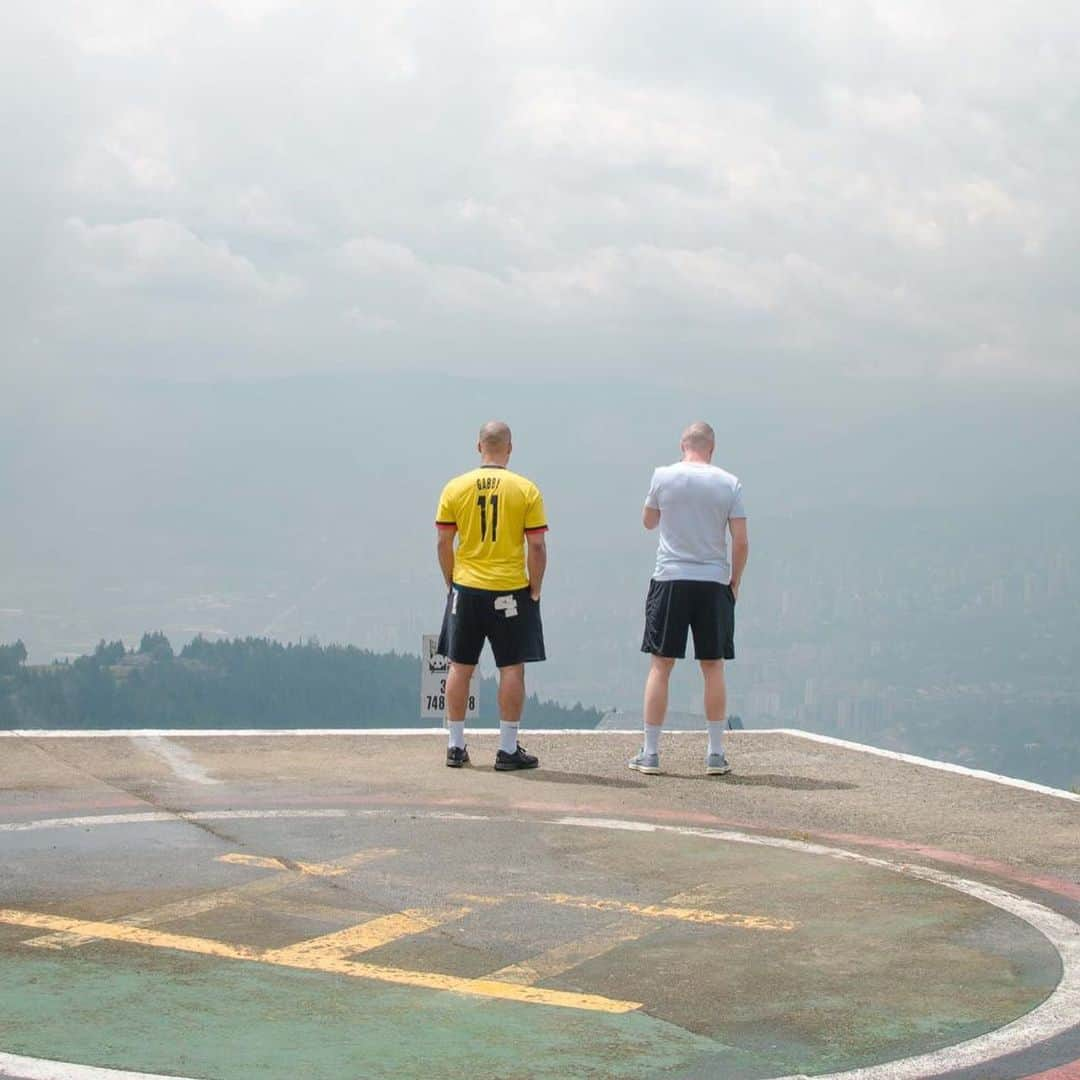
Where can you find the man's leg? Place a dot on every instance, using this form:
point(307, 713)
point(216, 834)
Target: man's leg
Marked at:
point(656, 691)
point(516, 633)
point(713, 625)
point(511, 695)
point(715, 702)
point(656, 701)
point(667, 622)
point(457, 701)
point(511, 702)
point(715, 715)
point(460, 641)
point(715, 690)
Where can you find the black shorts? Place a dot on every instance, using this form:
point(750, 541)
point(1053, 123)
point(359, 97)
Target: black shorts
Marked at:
point(509, 620)
point(705, 607)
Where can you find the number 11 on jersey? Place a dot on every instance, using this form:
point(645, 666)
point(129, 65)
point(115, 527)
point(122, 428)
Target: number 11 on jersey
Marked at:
point(482, 502)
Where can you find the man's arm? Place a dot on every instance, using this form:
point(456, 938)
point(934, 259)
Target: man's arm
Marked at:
point(650, 515)
point(445, 550)
point(740, 551)
point(536, 561)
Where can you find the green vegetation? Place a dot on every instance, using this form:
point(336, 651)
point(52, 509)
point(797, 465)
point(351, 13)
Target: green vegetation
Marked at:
point(242, 683)
point(12, 657)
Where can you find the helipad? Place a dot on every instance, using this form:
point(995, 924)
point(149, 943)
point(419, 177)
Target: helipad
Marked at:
point(342, 905)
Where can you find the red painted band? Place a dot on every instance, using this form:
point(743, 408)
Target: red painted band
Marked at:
point(1062, 1072)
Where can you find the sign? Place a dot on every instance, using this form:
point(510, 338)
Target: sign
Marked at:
point(433, 671)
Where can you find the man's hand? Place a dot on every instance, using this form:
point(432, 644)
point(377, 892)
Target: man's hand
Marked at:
point(535, 594)
point(735, 589)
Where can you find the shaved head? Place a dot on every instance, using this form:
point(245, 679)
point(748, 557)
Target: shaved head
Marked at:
point(495, 436)
point(699, 437)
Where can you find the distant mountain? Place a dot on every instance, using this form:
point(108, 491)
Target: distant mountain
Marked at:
point(242, 683)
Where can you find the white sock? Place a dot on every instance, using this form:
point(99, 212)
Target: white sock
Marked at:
point(457, 733)
point(652, 738)
point(716, 734)
point(508, 737)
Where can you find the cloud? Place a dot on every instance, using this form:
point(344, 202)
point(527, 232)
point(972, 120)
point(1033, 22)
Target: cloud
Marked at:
point(372, 255)
point(158, 255)
point(846, 188)
point(369, 323)
point(130, 157)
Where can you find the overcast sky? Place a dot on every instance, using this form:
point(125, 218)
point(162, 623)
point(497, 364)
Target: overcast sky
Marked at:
point(231, 188)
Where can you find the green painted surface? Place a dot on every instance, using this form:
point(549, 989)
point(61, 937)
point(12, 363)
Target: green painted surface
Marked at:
point(225, 1020)
point(877, 966)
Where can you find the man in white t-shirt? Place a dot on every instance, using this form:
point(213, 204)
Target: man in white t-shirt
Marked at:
point(694, 587)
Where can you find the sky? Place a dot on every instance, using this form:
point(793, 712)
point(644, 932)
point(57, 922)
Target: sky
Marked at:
point(781, 191)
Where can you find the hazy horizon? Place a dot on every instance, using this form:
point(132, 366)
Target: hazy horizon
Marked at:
point(269, 265)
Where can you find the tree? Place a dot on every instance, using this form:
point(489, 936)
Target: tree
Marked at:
point(156, 646)
point(107, 655)
point(12, 657)
point(243, 682)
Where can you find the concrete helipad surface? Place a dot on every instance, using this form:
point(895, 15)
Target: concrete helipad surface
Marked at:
point(241, 906)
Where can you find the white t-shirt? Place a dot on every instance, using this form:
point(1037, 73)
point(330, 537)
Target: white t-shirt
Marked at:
point(695, 501)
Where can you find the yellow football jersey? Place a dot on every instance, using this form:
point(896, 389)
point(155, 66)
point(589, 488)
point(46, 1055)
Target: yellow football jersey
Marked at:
point(492, 509)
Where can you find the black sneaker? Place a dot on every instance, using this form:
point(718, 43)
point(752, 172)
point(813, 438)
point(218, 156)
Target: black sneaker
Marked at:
point(456, 756)
point(517, 760)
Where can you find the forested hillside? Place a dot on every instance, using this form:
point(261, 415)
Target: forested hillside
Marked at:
point(242, 683)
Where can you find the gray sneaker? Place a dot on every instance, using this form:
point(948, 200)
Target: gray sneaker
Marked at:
point(717, 765)
point(646, 763)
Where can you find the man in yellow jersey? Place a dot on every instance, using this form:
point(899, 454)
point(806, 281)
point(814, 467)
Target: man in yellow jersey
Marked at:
point(493, 577)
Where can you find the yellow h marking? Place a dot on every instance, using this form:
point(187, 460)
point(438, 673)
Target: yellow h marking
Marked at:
point(133, 935)
point(235, 894)
point(564, 957)
point(266, 862)
point(329, 962)
point(365, 936)
point(668, 911)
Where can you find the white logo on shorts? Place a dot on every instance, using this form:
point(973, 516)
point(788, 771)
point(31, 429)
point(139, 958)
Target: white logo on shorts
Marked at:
point(507, 604)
